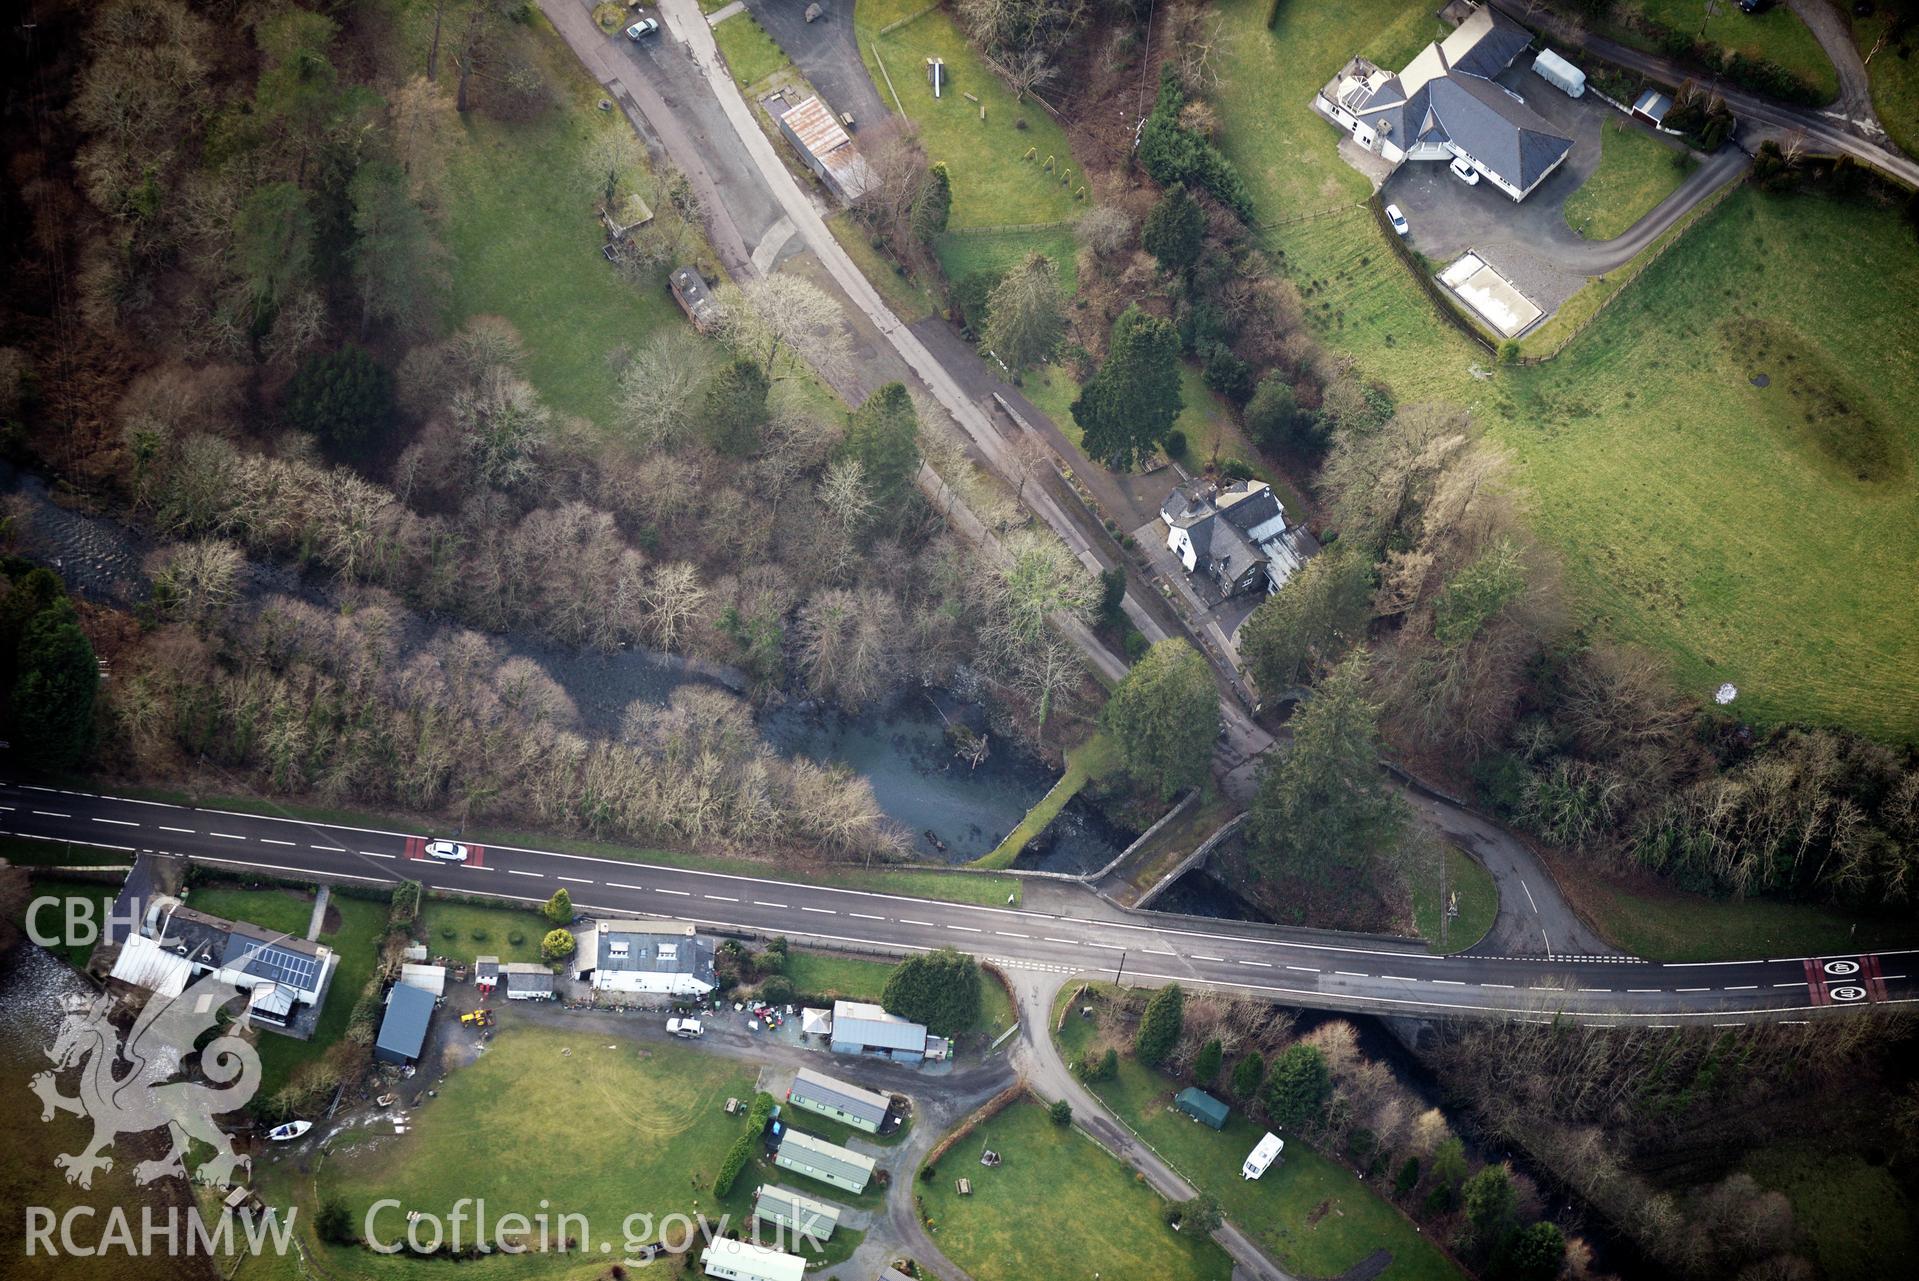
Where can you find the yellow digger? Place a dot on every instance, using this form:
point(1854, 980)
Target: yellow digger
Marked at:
point(478, 1018)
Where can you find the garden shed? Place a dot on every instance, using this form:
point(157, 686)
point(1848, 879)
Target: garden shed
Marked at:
point(1202, 1107)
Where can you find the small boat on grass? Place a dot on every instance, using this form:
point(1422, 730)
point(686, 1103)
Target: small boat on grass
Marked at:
point(291, 1130)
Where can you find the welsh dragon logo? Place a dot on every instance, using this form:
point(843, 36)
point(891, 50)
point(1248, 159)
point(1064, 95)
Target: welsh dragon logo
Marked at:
point(128, 1087)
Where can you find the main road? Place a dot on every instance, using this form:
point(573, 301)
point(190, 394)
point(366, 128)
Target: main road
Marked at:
point(1081, 934)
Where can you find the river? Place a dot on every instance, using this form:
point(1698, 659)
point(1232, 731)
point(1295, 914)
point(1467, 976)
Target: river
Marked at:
point(953, 812)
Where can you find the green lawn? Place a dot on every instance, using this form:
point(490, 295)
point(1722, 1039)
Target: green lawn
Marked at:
point(525, 244)
point(1855, 1216)
point(1894, 72)
point(1636, 171)
point(751, 55)
point(1056, 1207)
point(961, 256)
point(51, 920)
point(1097, 757)
point(1316, 1217)
point(23, 851)
point(1478, 901)
point(604, 1129)
point(992, 184)
point(356, 940)
point(1777, 34)
point(479, 930)
point(1659, 923)
point(849, 978)
point(909, 299)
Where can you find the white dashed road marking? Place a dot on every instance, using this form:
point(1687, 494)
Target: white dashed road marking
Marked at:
point(674, 893)
point(575, 879)
point(514, 871)
point(268, 840)
point(617, 886)
point(117, 822)
point(866, 916)
point(720, 898)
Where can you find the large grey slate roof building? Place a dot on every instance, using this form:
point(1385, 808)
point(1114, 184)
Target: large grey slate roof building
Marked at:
point(662, 957)
point(1446, 103)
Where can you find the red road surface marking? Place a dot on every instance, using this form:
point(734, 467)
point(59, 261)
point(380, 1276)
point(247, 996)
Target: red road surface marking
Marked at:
point(1816, 983)
point(476, 855)
point(1875, 982)
point(416, 847)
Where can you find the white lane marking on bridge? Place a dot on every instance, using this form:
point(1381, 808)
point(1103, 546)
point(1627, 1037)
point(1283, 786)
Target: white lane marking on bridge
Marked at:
point(866, 916)
point(1800, 983)
point(907, 920)
point(331, 849)
point(227, 836)
point(823, 911)
point(51, 814)
point(674, 893)
point(1398, 978)
point(514, 871)
point(117, 822)
point(1692, 989)
point(1438, 982)
point(1644, 991)
point(1742, 987)
point(1008, 934)
point(1596, 989)
point(1110, 947)
point(469, 867)
point(184, 831)
point(760, 902)
point(1351, 974)
point(618, 886)
point(1264, 965)
point(575, 879)
point(268, 840)
point(371, 854)
point(720, 898)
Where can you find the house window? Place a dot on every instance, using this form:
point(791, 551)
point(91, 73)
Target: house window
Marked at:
point(616, 951)
point(669, 952)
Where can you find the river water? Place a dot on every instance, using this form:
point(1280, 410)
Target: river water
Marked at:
point(953, 812)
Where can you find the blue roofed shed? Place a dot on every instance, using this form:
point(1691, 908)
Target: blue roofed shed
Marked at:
point(403, 1030)
point(1202, 1107)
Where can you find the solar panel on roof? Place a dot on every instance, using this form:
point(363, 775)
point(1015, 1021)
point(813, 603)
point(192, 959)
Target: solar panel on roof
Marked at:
point(282, 966)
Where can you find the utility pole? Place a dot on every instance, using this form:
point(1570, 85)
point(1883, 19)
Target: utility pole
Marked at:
point(1119, 976)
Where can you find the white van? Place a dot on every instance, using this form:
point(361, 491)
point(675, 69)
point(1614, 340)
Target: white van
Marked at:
point(685, 1027)
point(1262, 1157)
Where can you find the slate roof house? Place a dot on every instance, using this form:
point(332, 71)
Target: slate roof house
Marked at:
point(526, 981)
point(1236, 537)
point(817, 1092)
point(285, 979)
point(666, 958)
point(1446, 104)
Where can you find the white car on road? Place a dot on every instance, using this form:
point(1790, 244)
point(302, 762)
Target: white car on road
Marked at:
point(1398, 220)
point(448, 851)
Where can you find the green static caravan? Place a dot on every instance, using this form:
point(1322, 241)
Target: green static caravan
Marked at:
point(1202, 1107)
point(795, 1211)
point(828, 1096)
point(828, 1162)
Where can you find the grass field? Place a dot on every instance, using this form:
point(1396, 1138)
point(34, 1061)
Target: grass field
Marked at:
point(1315, 1216)
point(1636, 171)
point(909, 299)
point(525, 245)
point(851, 978)
point(1699, 515)
point(1056, 1207)
point(51, 920)
point(961, 256)
point(1097, 757)
point(580, 1109)
point(1777, 34)
point(1658, 923)
point(1853, 1215)
point(1478, 902)
point(479, 930)
point(1894, 72)
point(356, 940)
point(751, 55)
